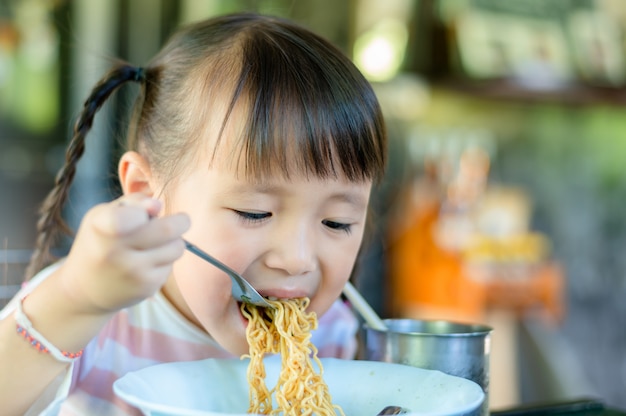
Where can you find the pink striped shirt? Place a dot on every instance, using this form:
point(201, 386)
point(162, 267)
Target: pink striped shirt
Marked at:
point(154, 332)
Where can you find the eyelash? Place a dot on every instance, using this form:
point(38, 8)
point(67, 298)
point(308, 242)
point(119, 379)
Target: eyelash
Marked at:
point(253, 217)
point(338, 226)
point(256, 217)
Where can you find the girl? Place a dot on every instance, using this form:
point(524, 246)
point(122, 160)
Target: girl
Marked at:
point(251, 137)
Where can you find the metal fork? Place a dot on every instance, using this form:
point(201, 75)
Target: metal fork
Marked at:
point(241, 289)
point(392, 410)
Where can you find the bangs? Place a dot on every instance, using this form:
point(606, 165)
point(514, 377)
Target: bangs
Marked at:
point(308, 109)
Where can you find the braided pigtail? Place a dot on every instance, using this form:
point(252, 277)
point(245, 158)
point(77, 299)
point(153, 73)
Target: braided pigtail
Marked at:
point(51, 223)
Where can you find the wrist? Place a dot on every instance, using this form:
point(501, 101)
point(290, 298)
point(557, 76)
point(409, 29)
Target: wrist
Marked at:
point(26, 330)
point(61, 319)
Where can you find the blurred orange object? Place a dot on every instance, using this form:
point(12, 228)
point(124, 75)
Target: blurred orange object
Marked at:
point(428, 281)
point(542, 289)
point(425, 277)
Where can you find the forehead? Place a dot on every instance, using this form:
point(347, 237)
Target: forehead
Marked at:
point(232, 140)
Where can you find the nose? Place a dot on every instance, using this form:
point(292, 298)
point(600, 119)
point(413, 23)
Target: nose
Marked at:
point(293, 251)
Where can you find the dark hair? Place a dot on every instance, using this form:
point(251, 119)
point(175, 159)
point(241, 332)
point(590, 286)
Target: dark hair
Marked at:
point(308, 107)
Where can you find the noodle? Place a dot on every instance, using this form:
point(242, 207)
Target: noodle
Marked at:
point(286, 330)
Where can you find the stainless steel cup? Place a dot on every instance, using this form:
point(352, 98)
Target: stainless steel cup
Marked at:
point(458, 349)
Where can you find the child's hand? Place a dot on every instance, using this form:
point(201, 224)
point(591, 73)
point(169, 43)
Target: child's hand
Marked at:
point(122, 254)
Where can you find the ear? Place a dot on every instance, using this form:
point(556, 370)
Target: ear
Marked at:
point(135, 174)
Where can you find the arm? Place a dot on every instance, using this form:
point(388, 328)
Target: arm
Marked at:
point(25, 372)
point(119, 258)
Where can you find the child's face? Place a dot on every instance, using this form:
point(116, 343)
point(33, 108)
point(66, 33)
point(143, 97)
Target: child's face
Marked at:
point(289, 238)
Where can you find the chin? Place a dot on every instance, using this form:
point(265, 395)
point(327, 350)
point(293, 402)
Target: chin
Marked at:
point(319, 308)
point(237, 347)
point(238, 344)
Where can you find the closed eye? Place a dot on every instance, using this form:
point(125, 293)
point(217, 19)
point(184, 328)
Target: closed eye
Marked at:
point(252, 217)
point(339, 226)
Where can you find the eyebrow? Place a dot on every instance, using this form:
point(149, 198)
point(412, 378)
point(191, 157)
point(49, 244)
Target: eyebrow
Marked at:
point(351, 198)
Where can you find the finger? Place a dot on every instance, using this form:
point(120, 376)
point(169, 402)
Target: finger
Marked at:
point(163, 255)
point(139, 200)
point(158, 275)
point(151, 280)
point(123, 216)
point(159, 231)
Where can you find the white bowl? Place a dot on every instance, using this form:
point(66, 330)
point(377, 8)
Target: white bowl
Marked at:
point(362, 388)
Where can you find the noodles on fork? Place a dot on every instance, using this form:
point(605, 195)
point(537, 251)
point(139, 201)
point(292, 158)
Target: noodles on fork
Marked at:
point(286, 330)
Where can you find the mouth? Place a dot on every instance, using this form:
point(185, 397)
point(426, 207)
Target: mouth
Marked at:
point(286, 293)
point(266, 313)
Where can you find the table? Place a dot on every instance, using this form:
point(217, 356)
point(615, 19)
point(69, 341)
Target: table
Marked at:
point(579, 407)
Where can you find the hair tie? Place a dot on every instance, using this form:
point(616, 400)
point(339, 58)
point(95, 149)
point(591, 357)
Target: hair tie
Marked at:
point(140, 75)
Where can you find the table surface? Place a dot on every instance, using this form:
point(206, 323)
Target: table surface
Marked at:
point(580, 407)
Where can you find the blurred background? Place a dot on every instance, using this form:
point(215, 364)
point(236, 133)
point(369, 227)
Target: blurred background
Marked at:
point(503, 202)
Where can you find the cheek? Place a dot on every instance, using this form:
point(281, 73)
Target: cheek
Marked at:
point(342, 262)
point(343, 258)
point(188, 273)
point(338, 268)
point(201, 285)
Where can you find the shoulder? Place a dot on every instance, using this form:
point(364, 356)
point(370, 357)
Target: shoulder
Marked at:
point(28, 287)
point(339, 312)
point(336, 332)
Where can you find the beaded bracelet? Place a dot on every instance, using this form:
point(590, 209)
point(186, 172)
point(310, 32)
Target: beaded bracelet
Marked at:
point(25, 329)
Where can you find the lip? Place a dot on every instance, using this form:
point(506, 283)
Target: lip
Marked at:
point(285, 293)
point(290, 288)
